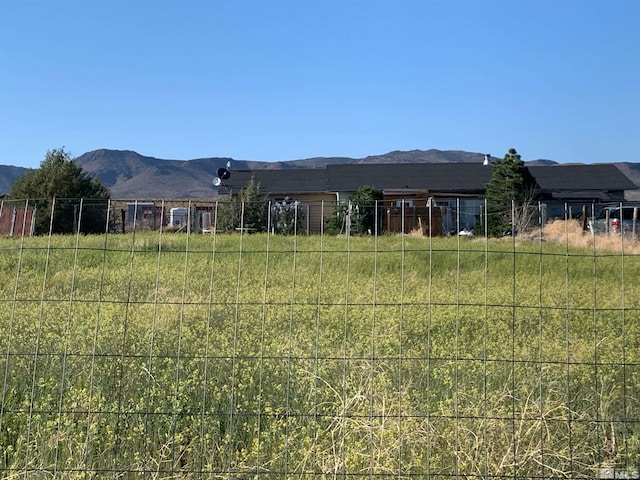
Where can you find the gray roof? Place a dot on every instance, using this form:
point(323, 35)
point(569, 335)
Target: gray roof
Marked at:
point(585, 178)
point(567, 181)
point(281, 181)
point(442, 177)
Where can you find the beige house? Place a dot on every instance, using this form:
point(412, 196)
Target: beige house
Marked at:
point(457, 189)
point(306, 186)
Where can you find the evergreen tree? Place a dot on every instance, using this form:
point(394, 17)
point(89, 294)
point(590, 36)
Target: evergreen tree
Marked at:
point(247, 209)
point(255, 206)
point(508, 184)
point(60, 179)
point(358, 216)
point(363, 215)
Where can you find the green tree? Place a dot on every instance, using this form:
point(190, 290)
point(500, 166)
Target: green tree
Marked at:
point(334, 223)
point(247, 209)
point(363, 204)
point(509, 185)
point(80, 199)
point(358, 216)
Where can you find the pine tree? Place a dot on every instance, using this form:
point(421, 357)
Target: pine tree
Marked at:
point(255, 206)
point(508, 185)
point(60, 179)
point(363, 204)
point(246, 209)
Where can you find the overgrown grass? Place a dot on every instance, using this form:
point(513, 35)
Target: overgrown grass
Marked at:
point(175, 356)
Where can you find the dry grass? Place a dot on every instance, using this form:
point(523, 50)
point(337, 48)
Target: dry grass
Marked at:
point(416, 232)
point(570, 233)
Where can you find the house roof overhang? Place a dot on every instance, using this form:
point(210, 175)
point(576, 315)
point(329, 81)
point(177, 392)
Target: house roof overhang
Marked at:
point(584, 195)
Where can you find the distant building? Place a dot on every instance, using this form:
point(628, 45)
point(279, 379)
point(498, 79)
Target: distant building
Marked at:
point(456, 188)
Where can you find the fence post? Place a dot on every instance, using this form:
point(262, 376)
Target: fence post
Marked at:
point(108, 215)
point(486, 220)
point(79, 217)
point(190, 217)
point(76, 220)
point(513, 218)
point(13, 221)
point(375, 218)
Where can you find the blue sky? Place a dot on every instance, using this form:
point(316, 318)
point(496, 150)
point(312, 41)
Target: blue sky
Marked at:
point(281, 80)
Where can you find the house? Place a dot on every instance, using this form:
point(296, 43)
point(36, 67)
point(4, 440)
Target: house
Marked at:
point(580, 186)
point(456, 188)
point(308, 186)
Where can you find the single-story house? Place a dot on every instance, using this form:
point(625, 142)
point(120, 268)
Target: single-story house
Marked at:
point(308, 186)
point(457, 188)
point(577, 186)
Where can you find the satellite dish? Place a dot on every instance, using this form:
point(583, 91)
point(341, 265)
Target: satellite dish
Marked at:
point(217, 181)
point(223, 173)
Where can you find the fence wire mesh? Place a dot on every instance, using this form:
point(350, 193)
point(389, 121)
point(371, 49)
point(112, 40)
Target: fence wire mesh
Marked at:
point(191, 341)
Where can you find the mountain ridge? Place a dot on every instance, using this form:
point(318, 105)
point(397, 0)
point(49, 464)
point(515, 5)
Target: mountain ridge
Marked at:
point(129, 174)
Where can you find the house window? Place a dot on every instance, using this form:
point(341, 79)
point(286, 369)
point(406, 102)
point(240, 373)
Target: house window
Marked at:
point(407, 203)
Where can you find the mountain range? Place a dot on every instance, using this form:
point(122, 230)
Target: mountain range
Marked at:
point(131, 175)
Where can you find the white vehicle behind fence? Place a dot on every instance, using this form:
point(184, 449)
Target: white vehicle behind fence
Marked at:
point(616, 220)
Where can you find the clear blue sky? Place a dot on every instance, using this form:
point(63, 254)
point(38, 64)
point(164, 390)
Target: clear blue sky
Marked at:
point(281, 80)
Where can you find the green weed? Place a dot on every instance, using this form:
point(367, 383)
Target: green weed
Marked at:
point(175, 356)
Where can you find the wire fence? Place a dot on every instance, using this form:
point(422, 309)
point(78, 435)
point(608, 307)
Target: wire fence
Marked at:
point(218, 340)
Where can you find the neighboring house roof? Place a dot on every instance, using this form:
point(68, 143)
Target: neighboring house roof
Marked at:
point(441, 177)
point(603, 182)
point(580, 178)
point(284, 181)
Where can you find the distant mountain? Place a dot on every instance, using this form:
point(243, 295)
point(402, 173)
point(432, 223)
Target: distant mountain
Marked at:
point(130, 175)
point(8, 175)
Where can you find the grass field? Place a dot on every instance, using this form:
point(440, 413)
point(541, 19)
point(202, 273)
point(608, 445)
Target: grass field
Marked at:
point(151, 355)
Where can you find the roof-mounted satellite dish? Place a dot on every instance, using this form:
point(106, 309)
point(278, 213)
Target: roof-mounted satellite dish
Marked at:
point(223, 173)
